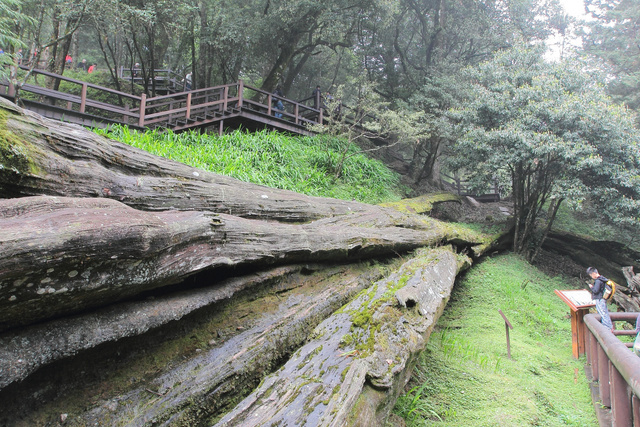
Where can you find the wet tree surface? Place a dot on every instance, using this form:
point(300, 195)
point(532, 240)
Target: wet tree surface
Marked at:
point(139, 291)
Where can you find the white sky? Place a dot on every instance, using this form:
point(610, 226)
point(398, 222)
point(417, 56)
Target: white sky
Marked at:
point(574, 8)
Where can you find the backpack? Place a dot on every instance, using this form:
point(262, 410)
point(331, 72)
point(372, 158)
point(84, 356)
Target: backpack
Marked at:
point(609, 289)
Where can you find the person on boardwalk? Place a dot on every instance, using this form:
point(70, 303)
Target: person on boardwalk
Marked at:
point(317, 97)
point(597, 291)
point(82, 65)
point(187, 81)
point(278, 105)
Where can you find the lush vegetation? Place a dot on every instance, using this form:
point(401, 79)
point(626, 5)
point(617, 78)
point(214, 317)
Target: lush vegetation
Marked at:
point(465, 86)
point(464, 378)
point(303, 164)
point(612, 37)
point(548, 133)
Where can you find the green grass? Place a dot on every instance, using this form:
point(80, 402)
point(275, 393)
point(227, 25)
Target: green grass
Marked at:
point(464, 377)
point(305, 165)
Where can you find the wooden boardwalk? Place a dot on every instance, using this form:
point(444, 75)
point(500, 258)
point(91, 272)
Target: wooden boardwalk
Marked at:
point(218, 108)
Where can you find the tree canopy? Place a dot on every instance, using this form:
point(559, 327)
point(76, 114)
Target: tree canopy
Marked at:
point(548, 133)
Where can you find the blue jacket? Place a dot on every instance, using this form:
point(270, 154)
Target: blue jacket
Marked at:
point(598, 287)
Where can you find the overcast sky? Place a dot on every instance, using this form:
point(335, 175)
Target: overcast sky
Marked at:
point(573, 7)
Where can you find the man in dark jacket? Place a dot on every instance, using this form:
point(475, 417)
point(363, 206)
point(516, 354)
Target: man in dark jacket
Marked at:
point(597, 290)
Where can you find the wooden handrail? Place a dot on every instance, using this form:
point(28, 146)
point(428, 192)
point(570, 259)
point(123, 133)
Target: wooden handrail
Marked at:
point(199, 106)
point(80, 82)
point(616, 369)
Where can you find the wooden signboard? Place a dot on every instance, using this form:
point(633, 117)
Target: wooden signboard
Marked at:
point(579, 300)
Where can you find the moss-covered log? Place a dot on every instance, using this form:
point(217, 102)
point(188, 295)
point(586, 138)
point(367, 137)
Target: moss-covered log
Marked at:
point(44, 157)
point(186, 373)
point(360, 358)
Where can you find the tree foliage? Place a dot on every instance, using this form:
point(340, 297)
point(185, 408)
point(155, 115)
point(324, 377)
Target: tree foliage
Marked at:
point(614, 36)
point(549, 133)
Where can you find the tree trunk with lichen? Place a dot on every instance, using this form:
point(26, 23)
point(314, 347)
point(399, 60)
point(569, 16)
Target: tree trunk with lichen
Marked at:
point(354, 366)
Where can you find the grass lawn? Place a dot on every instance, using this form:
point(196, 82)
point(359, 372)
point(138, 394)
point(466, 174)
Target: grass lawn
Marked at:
point(464, 378)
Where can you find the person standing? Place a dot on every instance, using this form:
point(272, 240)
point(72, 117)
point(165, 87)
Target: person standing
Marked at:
point(187, 81)
point(597, 291)
point(278, 105)
point(317, 96)
point(82, 65)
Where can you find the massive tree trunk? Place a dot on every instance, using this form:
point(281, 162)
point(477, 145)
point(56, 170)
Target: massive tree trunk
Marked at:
point(116, 264)
point(65, 255)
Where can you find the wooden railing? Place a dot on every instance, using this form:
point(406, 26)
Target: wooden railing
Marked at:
point(616, 370)
point(83, 103)
point(162, 79)
point(79, 99)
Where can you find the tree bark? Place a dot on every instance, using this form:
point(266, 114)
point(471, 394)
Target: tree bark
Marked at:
point(355, 367)
point(89, 252)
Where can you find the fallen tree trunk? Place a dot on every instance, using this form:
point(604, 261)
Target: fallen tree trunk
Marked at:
point(183, 373)
point(97, 227)
point(360, 358)
point(23, 351)
point(65, 255)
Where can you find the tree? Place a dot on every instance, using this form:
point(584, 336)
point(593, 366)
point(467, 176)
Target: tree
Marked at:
point(549, 133)
point(613, 37)
point(292, 31)
point(422, 39)
point(10, 17)
point(367, 123)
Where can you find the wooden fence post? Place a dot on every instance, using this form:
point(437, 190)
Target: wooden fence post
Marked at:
point(240, 92)
point(507, 326)
point(12, 78)
point(83, 97)
point(188, 113)
point(143, 106)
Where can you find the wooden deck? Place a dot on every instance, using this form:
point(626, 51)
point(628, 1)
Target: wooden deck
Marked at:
point(218, 108)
